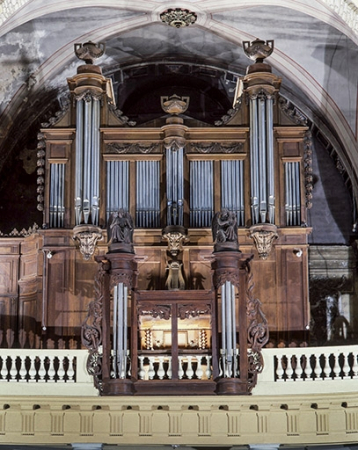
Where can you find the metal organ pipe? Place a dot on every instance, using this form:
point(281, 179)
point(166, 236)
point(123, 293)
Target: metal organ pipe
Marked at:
point(232, 188)
point(87, 160)
point(175, 186)
point(262, 158)
point(254, 158)
point(120, 325)
point(79, 162)
point(270, 160)
point(228, 330)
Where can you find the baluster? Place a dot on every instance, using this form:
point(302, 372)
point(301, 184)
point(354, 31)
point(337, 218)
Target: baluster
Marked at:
point(317, 368)
point(3, 371)
point(335, 368)
point(289, 368)
point(199, 370)
point(32, 369)
point(51, 372)
point(71, 370)
point(346, 368)
point(169, 371)
point(22, 371)
point(141, 373)
point(180, 368)
point(299, 370)
point(61, 371)
point(13, 369)
point(189, 370)
point(42, 369)
point(208, 367)
point(355, 365)
point(161, 371)
point(326, 369)
point(280, 370)
point(151, 371)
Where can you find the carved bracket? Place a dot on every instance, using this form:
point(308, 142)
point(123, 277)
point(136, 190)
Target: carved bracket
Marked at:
point(263, 236)
point(87, 236)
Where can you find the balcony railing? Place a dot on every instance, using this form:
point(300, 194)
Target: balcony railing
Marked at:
point(287, 371)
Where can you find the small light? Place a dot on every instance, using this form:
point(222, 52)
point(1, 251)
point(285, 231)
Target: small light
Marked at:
point(49, 254)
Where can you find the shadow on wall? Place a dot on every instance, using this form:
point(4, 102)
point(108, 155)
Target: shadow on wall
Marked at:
point(331, 213)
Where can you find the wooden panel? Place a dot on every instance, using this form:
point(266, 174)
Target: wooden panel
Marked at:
point(9, 274)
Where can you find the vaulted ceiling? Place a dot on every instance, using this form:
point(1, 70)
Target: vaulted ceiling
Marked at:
point(316, 55)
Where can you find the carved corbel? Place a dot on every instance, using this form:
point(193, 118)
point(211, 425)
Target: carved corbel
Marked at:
point(86, 236)
point(263, 236)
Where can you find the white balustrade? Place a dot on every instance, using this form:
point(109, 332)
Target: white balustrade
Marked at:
point(41, 366)
point(314, 364)
point(196, 367)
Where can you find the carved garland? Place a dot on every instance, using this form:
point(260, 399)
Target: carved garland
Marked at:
point(115, 147)
point(307, 161)
point(221, 276)
point(185, 311)
point(216, 147)
point(91, 332)
point(161, 311)
point(126, 278)
point(292, 112)
point(41, 146)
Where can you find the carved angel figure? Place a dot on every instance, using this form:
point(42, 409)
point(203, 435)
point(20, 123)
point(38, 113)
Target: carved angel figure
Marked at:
point(121, 227)
point(224, 226)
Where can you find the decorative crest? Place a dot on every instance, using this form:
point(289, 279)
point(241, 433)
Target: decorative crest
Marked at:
point(178, 18)
point(174, 104)
point(258, 50)
point(89, 51)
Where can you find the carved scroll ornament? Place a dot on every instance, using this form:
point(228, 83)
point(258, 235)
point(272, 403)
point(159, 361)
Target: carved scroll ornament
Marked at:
point(257, 333)
point(91, 332)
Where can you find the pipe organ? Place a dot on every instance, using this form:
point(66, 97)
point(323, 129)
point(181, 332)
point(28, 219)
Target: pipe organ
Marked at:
point(173, 306)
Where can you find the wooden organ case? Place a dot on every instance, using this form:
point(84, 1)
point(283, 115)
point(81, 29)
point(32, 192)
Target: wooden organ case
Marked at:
point(175, 306)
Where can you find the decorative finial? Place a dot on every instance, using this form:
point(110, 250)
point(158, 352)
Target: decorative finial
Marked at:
point(174, 104)
point(258, 50)
point(89, 51)
point(178, 18)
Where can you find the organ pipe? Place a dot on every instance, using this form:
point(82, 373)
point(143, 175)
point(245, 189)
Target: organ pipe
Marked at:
point(201, 193)
point(87, 160)
point(147, 194)
point(120, 325)
point(262, 159)
point(228, 331)
point(175, 186)
point(117, 187)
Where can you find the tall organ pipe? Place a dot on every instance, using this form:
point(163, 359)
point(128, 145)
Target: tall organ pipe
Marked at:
point(120, 325)
point(262, 159)
point(228, 331)
point(87, 161)
point(175, 186)
point(270, 160)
